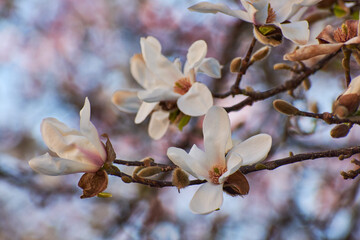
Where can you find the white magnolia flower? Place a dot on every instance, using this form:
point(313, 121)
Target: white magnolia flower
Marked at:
point(165, 86)
point(78, 151)
point(267, 12)
point(220, 159)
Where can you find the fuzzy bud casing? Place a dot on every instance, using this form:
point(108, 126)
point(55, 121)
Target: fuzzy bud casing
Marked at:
point(180, 179)
point(285, 107)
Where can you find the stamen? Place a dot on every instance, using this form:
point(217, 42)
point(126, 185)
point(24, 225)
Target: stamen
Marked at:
point(216, 172)
point(271, 15)
point(182, 85)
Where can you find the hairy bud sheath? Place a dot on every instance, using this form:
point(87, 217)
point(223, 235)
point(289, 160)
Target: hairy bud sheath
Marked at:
point(285, 107)
point(180, 178)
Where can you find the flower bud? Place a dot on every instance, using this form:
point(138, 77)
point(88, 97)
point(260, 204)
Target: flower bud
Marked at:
point(149, 171)
point(235, 65)
point(260, 54)
point(180, 179)
point(340, 131)
point(346, 104)
point(306, 83)
point(285, 107)
point(279, 66)
point(93, 183)
point(126, 179)
point(314, 107)
point(147, 161)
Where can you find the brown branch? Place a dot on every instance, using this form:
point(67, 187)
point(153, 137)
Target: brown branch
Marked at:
point(245, 64)
point(327, 117)
point(345, 152)
point(164, 167)
point(288, 85)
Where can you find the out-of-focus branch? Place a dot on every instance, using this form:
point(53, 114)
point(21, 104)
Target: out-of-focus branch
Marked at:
point(288, 85)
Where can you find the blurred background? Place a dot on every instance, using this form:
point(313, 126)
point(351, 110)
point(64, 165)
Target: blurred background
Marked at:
point(55, 53)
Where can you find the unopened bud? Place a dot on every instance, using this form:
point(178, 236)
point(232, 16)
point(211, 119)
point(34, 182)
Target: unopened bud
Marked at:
point(126, 179)
point(346, 104)
point(260, 166)
point(149, 171)
point(235, 65)
point(280, 66)
point(341, 157)
point(147, 161)
point(306, 83)
point(314, 107)
point(180, 179)
point(260, 54)
point(285, 107)
point(340, 131)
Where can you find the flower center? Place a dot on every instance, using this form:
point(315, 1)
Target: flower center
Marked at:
point(271, 15)
point(347, 31)
point(182, 85)
point(216, 172)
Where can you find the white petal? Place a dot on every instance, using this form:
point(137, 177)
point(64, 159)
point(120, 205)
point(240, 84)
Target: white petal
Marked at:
point(177, 63)
point(54, 166)
point(254, 149)
point(181, 159)
point(298, 32)
point(69, 143)
point(210, 67)
point(200, 163)
point(354, 86)
point(144, 110)
point(89, 130)
point(285, 9)
point(207, 198)
point(206, 7)
point(159, 65)
point(142, 74)
point(158, 94)
point(159, 123)
point(126, 100)
point(233, 163)
point(260, 12)
point(197, 101)
point(154, 42)
point(196, 53)
point(216, 130)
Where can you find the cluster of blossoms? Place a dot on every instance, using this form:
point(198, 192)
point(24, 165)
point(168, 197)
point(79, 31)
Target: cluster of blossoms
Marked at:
point(170, 94)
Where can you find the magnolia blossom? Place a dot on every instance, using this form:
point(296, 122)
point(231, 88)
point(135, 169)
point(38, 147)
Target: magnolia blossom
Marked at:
point(220, 159)
point(330, 40)
point(78, 151)
point(271, 13)
point(165, 86)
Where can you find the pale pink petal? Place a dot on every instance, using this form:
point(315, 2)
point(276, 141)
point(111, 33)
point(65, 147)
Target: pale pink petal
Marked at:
point(210, 67)
point(69, 143)
point(233, 163)
point(312, 51)
point(126, 100)
point(253, 150)
point(298, 32)
point(206, 7)
point(158, 94)
point(54, 166)
point(216, 130)
point(186, 162)
point(197, 101)
point(355, 40)
point(144, 110)
point(207, 198)
point(159, 65)
point(89, 130)
point(159, 123)
point(196, 53)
